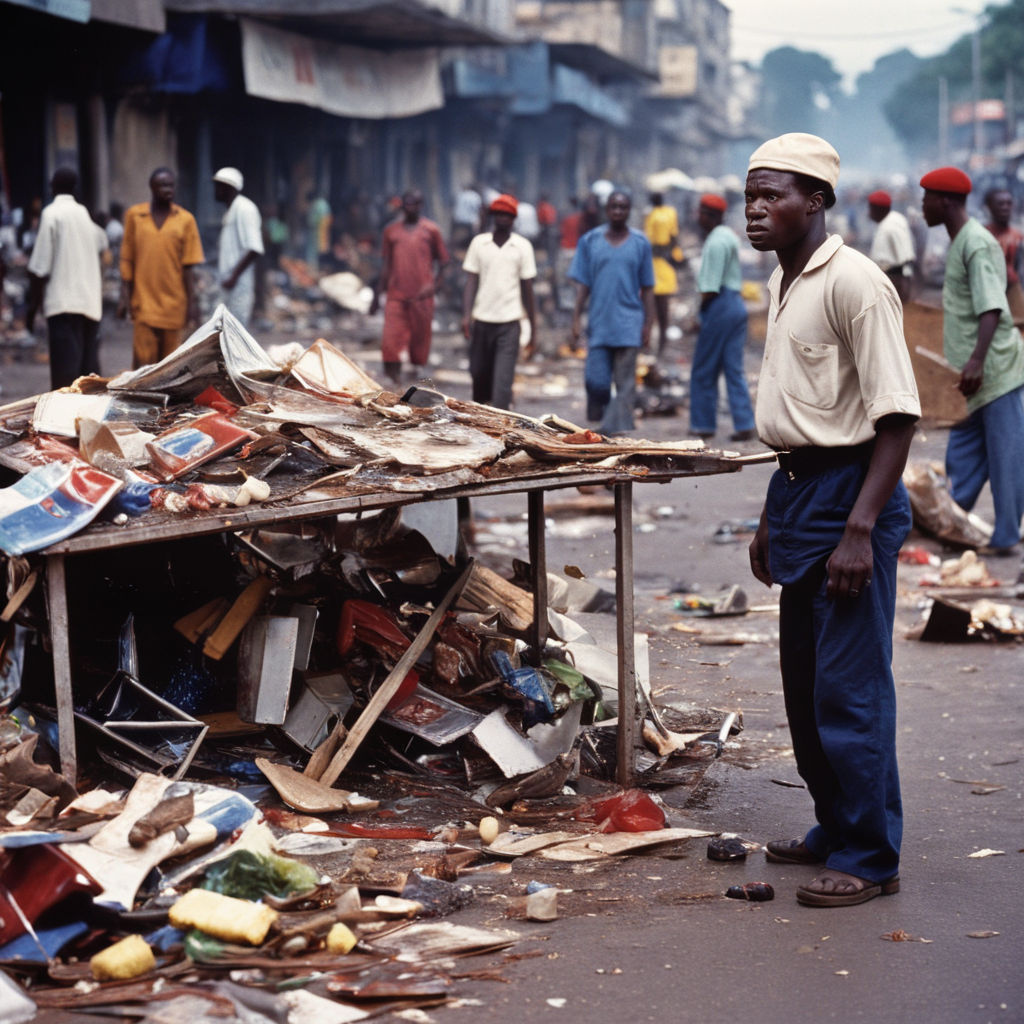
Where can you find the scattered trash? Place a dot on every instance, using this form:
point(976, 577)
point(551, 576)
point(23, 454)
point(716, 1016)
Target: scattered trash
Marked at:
point(733, 531)
point(756, 892)
point(987, 853)
point(952, 622)
point(727, 849)
point(899, 935)
point(918, 556)
point(733, 602)
point(935, 512)
point(982, 935)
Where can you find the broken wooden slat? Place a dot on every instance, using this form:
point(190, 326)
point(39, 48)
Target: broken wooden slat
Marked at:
point(390, 686)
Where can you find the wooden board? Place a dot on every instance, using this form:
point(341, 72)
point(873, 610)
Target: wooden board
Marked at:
point(941, 403)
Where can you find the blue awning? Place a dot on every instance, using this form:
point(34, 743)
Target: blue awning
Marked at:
point(73, 10)
point(185, 59)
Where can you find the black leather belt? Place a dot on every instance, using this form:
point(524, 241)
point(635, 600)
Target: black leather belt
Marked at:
point(808, 461)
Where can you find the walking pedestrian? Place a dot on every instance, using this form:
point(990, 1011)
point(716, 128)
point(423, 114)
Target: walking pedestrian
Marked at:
point(66, 280)
point(722, 340)
point(413, 257)
point(999, 202)
point(661, 226)
point(892, 247)
point(980, 340)
point(159, 251)
point(240, 245)
point(837, 400)
point(500, 266)
point(613, 268)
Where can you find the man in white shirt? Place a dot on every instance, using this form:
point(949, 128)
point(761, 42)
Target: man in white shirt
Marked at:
point(241, 244)
point(65, 279)
point(499, 292)
point(892, 248)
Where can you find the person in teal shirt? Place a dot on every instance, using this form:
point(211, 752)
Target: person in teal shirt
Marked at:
point(980, 340)
point(723, 329)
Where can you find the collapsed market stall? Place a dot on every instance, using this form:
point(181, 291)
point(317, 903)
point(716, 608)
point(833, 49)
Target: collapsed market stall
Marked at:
point(223, 555)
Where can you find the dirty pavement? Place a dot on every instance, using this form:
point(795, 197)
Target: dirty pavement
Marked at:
point(376, 831)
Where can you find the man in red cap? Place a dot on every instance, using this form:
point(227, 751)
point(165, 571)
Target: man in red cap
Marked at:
point(837, 400)
point(892, 248)
point(500, 267)
point(413, 256)
point(980, 340)
point(723, 328)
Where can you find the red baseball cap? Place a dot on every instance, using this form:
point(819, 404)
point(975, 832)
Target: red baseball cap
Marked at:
point(505, 204)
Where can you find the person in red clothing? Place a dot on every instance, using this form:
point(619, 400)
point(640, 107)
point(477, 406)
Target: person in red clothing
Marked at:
point(413, 256)
point(570, 227)
point(1000, 207)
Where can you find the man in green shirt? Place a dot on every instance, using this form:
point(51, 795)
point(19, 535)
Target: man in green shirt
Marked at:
point(980, 340)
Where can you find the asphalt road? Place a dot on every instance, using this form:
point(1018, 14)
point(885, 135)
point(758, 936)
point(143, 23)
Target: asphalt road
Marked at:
point(651, 937)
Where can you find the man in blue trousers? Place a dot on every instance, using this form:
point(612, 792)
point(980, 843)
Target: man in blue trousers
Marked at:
point(723, 329)
point(980, 340)
point(614, 268)
point(837, 400)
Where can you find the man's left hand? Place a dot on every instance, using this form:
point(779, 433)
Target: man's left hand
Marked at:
point(971, 377)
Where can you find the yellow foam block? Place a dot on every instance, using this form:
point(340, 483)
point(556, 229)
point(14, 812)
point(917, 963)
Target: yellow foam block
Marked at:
point(223, 917)
point(125, 959)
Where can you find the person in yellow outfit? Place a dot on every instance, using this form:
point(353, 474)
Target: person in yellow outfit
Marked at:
point(661, 227)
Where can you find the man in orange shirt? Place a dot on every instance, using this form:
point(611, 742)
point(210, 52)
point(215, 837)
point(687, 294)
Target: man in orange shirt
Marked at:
point(160, 247)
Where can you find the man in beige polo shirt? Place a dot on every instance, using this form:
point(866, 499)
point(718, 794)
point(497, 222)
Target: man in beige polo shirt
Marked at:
point(500, 268)
point(838, 402)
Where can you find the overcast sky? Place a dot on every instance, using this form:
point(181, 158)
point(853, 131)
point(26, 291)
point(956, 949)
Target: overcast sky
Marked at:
point(853, 34)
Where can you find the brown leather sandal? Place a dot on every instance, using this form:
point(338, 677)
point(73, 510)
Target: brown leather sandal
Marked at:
point(790, 851)
point(839, 889)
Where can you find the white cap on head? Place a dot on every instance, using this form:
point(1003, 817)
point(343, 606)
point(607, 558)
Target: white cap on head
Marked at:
point(798, 153)
point(230, 176)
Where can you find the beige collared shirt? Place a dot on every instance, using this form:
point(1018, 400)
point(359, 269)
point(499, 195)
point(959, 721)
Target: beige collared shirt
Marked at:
point(835, 360)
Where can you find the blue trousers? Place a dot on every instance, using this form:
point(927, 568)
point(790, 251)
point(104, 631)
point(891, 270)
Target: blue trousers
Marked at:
point(720, 345)
point(989, 447)
point(607, 369)
point(837, 677)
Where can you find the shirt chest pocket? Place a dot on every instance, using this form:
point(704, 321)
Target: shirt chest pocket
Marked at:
point(809, 372)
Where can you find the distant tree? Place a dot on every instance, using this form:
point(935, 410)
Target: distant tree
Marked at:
point(913, 109)
point(799, 91)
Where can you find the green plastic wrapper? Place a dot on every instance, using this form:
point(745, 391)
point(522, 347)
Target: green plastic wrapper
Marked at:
point(251, 876)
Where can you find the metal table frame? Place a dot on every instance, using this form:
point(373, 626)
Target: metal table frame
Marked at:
point(106, 537)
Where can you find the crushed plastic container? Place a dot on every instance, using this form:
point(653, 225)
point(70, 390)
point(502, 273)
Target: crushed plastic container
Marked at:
point(630, 811)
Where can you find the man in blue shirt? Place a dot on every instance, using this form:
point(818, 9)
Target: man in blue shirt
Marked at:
point(723, 329)
point(614, 268)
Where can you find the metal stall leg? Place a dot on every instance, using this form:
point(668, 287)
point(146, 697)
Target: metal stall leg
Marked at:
point(57, 598)
point(539, 566)
point(624, 631)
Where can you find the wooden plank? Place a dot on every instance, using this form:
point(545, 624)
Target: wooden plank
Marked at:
point(539, 570)
point(389, 687)
point(99, 537)
point(245, 607)
point(624, 624)
point(57, 598)
point(941, 402)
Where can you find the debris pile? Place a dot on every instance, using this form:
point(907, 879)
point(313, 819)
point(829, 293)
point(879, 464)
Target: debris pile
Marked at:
point(278, 640)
